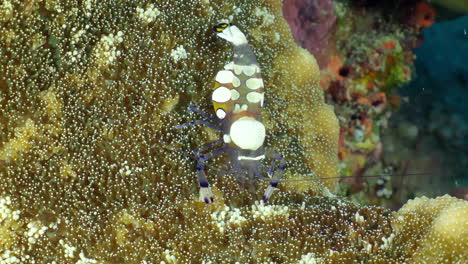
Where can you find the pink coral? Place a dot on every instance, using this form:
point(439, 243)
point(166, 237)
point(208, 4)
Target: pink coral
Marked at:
point(312, 24)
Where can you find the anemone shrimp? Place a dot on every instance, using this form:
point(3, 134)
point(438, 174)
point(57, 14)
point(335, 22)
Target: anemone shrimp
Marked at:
point(237, 100)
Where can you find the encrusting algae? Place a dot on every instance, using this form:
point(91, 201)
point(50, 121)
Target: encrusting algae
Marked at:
point(90, 171)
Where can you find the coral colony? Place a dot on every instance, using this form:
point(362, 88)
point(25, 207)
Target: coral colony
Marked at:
point(365, 52)
point(91, 170)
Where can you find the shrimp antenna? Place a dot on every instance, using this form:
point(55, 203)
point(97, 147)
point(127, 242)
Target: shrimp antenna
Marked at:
point(343, 177)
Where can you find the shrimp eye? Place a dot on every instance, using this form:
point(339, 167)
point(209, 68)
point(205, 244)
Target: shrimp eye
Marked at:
point(220, 27)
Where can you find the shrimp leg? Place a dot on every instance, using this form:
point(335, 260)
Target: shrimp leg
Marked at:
point(205, 191)
point(198, 122)
point(275, 175)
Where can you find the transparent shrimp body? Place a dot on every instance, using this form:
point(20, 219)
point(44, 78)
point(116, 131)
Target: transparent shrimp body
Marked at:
point(237, 100)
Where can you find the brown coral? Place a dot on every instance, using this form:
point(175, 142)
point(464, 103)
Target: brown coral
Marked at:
point(91, 173)
point(436, 228)
point(88, 93)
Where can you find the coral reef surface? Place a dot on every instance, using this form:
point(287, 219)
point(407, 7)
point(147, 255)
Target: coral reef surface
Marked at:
point(91, 172)
point(88, 93)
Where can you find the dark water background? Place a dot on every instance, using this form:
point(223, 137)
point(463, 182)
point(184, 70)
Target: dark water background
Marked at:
point(437, 103)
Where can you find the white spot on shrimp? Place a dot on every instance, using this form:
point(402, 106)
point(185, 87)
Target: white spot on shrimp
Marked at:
point(234, 94)
point(233, 35)
point(226, 138)
point(220, 113)
point(235, 81)
point(254, 97)
point(254, 83)
point(247, 133)
point(221, 95)
point(251, 158)
point(237, 68)
point(224, 77)
point(229, 66)
point(238, 108)
point(249, 70)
